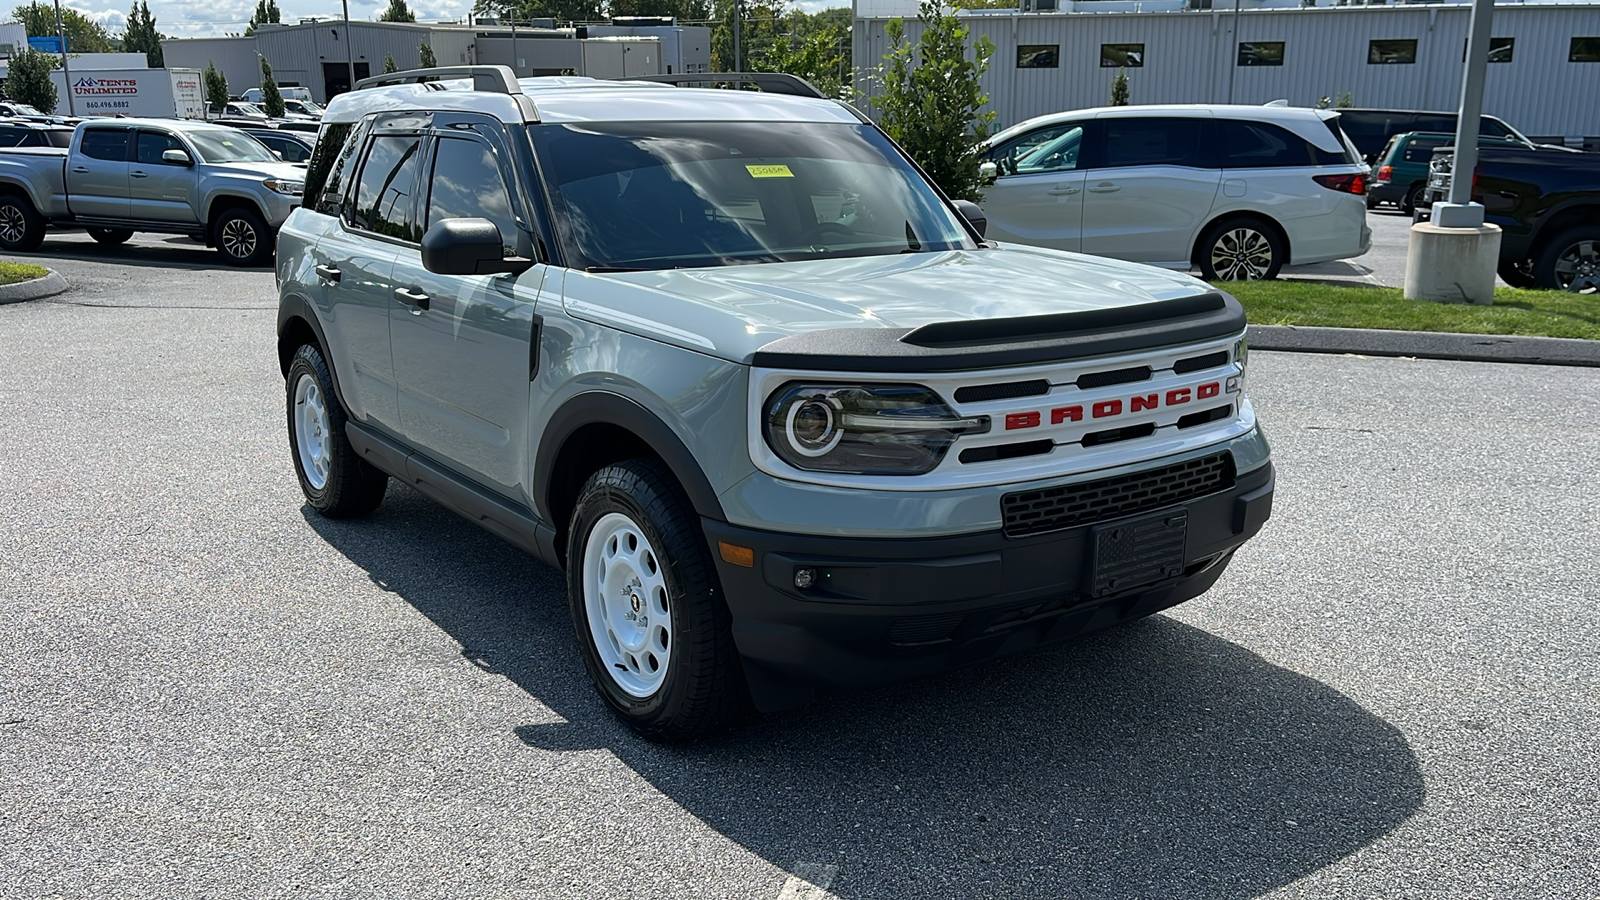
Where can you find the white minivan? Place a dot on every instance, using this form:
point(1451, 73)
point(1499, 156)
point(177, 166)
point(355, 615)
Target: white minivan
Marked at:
point(1239, 191)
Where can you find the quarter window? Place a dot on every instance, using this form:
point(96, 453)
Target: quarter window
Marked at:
point(1584, 49)
point(105, 143)
point(329, 159)
point(1117, 56)
point(1392, 52)
point(385, 201)
point(467, 184)
point(1039, 56)
point(1151, 142)
point(1258, 145)
point(1261, 53)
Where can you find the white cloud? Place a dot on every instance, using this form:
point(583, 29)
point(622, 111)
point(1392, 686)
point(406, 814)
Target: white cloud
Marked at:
point(213, 18)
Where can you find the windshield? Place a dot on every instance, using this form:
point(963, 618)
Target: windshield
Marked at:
point(23, 109)
point(230, 146)
point(662, 195)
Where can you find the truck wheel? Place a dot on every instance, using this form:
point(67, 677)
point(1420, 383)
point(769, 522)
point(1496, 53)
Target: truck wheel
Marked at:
point(1240, 250)
point(1571, 262)
point(242, 238)
point(336, 482)
point(110, 236)
point(21, 226)
point(654, 632)
point(1517, 274)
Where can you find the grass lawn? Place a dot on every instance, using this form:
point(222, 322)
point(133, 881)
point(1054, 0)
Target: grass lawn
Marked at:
point(1534, 313)
point(11, 273)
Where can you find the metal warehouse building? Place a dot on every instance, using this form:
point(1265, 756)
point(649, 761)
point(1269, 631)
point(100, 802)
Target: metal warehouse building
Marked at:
point(1545, 79)
point(317, 55)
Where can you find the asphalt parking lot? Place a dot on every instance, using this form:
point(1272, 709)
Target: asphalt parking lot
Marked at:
point(207, 691)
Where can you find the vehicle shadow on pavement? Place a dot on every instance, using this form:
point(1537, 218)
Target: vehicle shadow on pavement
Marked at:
point(1155, 760)
point(167, 252)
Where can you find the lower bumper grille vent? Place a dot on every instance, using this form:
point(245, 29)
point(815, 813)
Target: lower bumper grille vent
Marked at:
point(1052, 509)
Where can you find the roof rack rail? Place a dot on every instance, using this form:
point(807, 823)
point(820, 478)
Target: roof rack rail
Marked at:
point(771, 82)
point(495, 79)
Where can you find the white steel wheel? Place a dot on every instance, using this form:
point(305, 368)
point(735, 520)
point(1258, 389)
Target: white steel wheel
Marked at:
point(1242, 253)
point(313, 432)
point(628, 606)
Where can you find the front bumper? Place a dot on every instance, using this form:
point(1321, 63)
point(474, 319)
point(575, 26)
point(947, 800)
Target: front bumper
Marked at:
point(887, 609)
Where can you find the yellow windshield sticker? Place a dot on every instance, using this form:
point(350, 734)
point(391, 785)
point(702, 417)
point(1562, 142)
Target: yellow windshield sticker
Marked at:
point(769, 172)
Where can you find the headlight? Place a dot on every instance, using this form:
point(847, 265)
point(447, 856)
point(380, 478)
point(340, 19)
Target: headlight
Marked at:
point(292, 188)
point(884, 429)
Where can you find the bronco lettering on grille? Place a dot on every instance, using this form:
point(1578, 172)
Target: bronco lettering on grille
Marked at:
point(1107, 409)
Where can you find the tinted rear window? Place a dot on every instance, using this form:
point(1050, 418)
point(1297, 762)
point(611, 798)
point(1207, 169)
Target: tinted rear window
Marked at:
point(105, 143)
point(1259, 145)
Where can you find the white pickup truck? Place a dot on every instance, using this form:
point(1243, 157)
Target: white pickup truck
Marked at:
point(119, 176)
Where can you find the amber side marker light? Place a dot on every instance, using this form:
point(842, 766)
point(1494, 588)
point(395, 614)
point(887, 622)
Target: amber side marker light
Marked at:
point(737, 556)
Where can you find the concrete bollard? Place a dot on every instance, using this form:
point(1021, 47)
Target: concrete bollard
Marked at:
point(1452, 265)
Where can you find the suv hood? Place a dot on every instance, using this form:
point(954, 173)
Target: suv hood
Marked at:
point(733, 311)
point(283, 170)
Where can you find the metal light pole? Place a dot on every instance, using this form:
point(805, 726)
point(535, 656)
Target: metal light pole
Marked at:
point(349, 45)
point(1477, 70)
point(1233, 58)
point(738, 35)
point(514, 43)
point(66, 72)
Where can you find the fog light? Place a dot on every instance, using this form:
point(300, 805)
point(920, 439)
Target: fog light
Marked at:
point(805, 578)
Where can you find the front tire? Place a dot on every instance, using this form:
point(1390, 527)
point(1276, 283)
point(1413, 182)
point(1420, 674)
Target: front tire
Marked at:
point(242, 238)
point(1571, 262)
point(1241, 250)
point(110, 236)
point(646, 603)
point(337, 483)
point(21, 226)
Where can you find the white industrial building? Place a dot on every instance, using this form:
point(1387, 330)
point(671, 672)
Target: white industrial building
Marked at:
point(318, 55)
point(1544, 80)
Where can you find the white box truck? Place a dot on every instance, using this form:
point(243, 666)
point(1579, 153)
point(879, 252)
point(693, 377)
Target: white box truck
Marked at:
point(147, 93)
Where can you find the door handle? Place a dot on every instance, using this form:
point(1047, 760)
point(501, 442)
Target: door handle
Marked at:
point(1105, 187)
point(137, 175)
point(329, 273)
point(80, 168)
point(1062, 191)
point(416, 300)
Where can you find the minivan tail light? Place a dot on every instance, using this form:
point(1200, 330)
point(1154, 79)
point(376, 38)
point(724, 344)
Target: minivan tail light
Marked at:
point(1344, 184)
point(1385, 173)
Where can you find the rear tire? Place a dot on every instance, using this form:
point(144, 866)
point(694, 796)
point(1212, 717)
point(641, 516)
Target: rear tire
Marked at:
point(242, 237)
point(21, 226)
point(337, 483)
point(647, 605)
point(110, 236)
point(1413, 199)
point(1241, 250)
point(1571, 262)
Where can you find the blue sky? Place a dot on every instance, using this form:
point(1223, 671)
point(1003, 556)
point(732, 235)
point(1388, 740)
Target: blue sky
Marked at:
point(203, 18)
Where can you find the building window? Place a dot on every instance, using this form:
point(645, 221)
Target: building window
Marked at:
point(1261, 53)
point(1117, 56)
point(1392, 53)
point(1584, 49)
point(1039, 56)
point(1499, 49)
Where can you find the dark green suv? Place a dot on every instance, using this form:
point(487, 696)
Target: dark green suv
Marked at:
point(1400, 175)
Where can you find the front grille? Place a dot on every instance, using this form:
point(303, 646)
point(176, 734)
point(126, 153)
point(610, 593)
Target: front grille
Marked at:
point(1052, 509)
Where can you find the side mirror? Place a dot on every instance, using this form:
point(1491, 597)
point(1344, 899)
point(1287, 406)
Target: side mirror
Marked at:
point(468, 247)
point(973, 213)
point(176, 157)
point(988, 172)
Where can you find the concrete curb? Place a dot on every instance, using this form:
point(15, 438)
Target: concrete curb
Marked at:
point(1427, 345)
point(48, 286)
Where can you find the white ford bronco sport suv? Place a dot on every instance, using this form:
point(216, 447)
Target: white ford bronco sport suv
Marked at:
point(727, 357)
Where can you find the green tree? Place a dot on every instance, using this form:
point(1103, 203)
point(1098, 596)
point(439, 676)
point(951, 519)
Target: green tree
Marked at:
point(984, 4)
point(425, 53)
point(932, 102)
point(389, 64)
point(216, 88)
point(764, 30)
point(820, 58)
point(1119, 88)
point(271, 97)
point(29, 80)
point(560, 10)
point(398, 11)
point(266, 11)
point(682, 10)
point(83, 35)
point(141, 35)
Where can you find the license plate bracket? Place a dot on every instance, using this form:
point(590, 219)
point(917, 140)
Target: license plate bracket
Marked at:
point(1136, 552)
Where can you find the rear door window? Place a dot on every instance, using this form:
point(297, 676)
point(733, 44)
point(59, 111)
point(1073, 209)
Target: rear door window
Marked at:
point(467, 184)
point(105, 143)
point(1151, 142)
point(385, 196)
